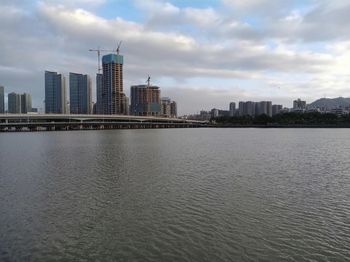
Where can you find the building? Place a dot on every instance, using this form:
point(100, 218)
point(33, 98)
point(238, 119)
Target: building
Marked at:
point(264, 108)
point(112, 95)
point(168, 107)
point(79, 93)
point(55, 93)
point(173, 109)
point(276, 109)
point(204, 115)
point(246, 108)
point(2, 100)
point(241, 108)
point(165, 107)
point(126, 105)
point(26, 103)
point(253, 109)
point(99, 102)
point(339, 111)
point(14, 103)
point(232, 109)
point(214, 113)
point(145, 100)
point(299, 104)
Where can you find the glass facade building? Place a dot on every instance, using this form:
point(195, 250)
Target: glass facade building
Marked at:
point(99, 101)
point(2, 100)
point(26, 103)
point(14, 103)
point(79, 93)
point(55, 93)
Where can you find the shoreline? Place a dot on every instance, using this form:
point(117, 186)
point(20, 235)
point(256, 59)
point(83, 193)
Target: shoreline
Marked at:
point(178, 127)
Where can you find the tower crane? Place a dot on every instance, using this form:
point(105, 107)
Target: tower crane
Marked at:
point(99, 50)
point(148, 81)
point(118, 47)
point(149, 95)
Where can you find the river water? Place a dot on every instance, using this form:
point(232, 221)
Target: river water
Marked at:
point(175, 195)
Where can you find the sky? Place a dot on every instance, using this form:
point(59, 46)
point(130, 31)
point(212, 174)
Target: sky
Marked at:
point(203, 54)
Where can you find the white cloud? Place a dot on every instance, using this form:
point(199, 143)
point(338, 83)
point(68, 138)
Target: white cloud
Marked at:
point(276, 59)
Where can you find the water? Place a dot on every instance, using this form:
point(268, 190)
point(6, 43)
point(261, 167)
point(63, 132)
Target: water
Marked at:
point(176, 195)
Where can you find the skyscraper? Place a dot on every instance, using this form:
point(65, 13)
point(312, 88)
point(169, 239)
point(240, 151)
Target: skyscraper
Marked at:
point(55, 93)
point(79, 93)
point(165, 106)
point(276, 109)
point(250, 108)
point(14, 103)
point(264, 108)
point(241, 110)
point(145, 100)
point(112, 85)
point(26, 103)
point(232, 108)
point(2, 100)
point(99, 101)
point(173, 109)
point(126, 106)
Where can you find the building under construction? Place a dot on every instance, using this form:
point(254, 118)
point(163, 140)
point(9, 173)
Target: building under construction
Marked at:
point(109, 84)
point(145, 100)
point(113, 97)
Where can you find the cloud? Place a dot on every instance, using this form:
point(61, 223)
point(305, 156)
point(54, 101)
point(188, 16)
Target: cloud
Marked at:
point(279, 58)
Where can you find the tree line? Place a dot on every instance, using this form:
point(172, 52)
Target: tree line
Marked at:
point(291, 118)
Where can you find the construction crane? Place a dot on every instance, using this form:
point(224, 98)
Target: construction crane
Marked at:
point(149, 95)
point(148, 81)
point(118, 47)
point(98, 50)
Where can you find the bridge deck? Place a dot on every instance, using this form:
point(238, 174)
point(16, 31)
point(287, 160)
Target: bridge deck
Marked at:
point(39, 122)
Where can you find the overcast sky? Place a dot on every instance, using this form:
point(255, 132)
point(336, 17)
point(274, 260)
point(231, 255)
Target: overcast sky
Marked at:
point(202, 53)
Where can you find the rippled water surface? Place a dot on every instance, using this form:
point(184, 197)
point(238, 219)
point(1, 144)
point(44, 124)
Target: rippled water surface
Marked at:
point(176, 195)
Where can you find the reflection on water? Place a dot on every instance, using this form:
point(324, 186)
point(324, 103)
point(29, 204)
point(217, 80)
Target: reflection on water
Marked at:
point(175, 195)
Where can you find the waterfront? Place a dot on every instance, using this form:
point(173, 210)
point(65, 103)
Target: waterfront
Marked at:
point(176, 195)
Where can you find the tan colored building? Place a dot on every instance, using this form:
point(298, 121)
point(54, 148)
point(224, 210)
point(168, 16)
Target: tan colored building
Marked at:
point(145, 100)
point(112, 95)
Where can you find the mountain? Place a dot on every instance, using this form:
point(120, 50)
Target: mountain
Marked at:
point(329, 103)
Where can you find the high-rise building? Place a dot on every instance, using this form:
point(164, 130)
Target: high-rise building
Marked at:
point(250, 108)
point(55, 93)
point(165, 107)
point(264, 108)
point(80, 93)
point(214, 113)
point(173, 109)
point(232, 108)
point(112, 85)
point(126, 106)
point(2, 100)
point(145, 100)
point(299, 104)
point(14, 103)
point(276, 109)
point(241, 110)
point(269, 108)
point(26, 103)
point(99, 101)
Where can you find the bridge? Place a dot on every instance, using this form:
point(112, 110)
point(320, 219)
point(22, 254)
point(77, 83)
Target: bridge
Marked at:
point(52, 122)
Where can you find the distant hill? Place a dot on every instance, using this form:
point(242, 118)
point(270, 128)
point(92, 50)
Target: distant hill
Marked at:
point(329, 103)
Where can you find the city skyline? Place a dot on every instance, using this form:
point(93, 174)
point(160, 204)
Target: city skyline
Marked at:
point(200, 53)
